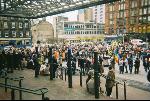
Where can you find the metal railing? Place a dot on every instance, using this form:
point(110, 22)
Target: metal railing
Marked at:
point(40, 91)
point(20, 79)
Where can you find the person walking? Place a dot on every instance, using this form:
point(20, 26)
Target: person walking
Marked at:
point(110, 80)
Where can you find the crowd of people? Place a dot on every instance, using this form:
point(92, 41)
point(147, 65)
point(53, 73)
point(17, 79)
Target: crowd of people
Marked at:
point(38, 58)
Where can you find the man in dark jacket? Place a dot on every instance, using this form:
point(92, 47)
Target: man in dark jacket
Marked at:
point(137, 65)
point(55, 66)
point(36, 65)
point(130, 62)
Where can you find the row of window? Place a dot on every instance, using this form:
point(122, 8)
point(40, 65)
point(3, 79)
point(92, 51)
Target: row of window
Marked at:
point(132, 20)
point(14, 34)
point(83, 26)
point(6, 25)
point(84, 32)
point(140, 29)
point(133, 4)
point(133, 12)
point(142, 20)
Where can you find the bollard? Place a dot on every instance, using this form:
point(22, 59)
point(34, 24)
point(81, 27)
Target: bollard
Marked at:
point(12, 94)
point(124, 90)
point(51, 65)
point(43, 96)
point(65, 74)
point(5, 84)
point(62, 73)
point(20, 92)
point(69, 69)
point(96, 79)
point(81, 78)
point(117, 90)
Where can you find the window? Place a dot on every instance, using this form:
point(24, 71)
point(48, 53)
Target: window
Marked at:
point(13, 25)
point(132, 20)
point(121, 14)
point(140, 19)
point(26, 25)
point(145, 3)
point(111, 16)
point(133, 13)
point(111, 8)
point(5, 25)
point(148, 19)
point(20, 25)
point(133, 4)
point(144, 19)
point(0, 34)
point(145, 11)
point(121, 6)
point(13, 33)
point(140, 12)
point(122, 0)
point(148, 2)
point(148, 10)
point(6, 34)
point(21, 34)
point(111, 22)
point(142, 2)
point(140, 29)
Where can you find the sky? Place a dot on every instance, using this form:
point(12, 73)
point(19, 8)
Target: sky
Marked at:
point(72, 16)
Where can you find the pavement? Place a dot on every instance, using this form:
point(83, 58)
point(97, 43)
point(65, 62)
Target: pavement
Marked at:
point(137, 86)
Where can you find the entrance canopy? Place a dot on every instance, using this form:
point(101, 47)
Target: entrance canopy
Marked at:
point(33, 9)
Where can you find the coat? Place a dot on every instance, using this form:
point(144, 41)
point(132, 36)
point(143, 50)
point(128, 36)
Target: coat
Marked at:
point(110, 80)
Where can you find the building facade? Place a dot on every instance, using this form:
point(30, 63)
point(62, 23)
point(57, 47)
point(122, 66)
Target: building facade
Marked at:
point(127, 17)
point(43, 32)
point(85, 15)
point(99, 13)
point(15, 31)
point(75, 31)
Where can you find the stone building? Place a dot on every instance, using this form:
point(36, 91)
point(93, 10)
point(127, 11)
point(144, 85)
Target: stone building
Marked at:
point(43, 32)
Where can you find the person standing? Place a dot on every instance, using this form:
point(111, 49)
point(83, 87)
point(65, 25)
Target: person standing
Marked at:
point(130, 63)
point(121, 68)
point(146, 64)
point(137, 65)
point(110, 80)
point(36, 65)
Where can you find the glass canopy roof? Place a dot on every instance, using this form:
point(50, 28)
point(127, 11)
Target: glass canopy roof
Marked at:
point(33, 9)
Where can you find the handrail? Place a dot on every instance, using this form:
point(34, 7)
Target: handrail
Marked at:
point(11, 78)
point(116, 81)
point(42, 90)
